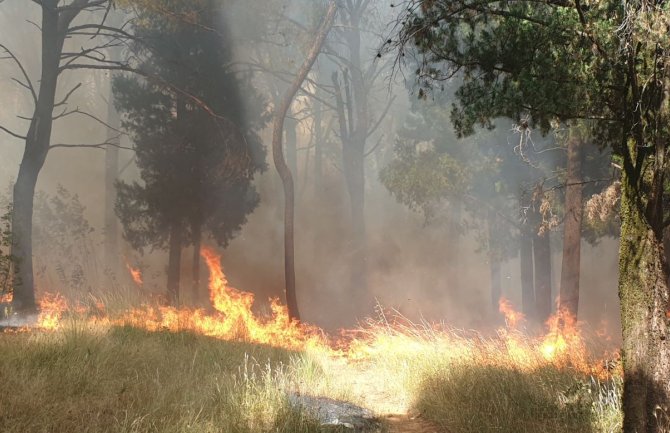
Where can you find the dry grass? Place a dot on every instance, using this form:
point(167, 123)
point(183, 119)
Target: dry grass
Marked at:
point(477, 385)
point(120, 379)
point(127, 380)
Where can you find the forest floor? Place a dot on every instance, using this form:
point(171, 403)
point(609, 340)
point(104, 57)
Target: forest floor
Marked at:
point(127, 380)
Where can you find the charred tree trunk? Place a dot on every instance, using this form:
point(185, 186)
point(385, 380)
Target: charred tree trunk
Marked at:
point(111, 231)
point(36, 149)
point(572, 230)
point(196, 228)
point(526, 259)
point(318, 149)
point(354, 167)
point(527, 279)
point(542, 261)
point(174, 263)
point(280, 162)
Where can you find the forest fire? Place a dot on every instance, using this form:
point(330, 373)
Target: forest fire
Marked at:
point(135, 274)
point(563, 345)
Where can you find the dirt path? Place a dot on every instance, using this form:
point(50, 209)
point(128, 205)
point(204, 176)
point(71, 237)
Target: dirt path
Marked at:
point(384, 396)
point(408, 424)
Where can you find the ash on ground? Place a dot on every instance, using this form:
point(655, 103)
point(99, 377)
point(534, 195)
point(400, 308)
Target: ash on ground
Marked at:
point(339, 415)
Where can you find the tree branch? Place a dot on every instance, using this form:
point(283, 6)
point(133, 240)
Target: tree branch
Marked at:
point(12, 133)
point(29, 83)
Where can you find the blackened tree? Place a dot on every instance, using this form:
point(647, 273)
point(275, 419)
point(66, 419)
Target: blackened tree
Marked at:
point(196, 141)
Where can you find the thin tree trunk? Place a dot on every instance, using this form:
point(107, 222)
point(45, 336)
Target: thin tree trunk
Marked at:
point(197, 243)
point(291, 126)
point(174, 264)
point(572, 230)
point(645, 302)
point(354, 151)
point(494, 260)
point(280, 163)
point(542, 260)
point(526, 259)
point(36, 149)
point(318, 149)
point(111, 231)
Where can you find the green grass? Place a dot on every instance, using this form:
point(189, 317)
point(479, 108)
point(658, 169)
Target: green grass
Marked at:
point(469, 398)
point(129, 380)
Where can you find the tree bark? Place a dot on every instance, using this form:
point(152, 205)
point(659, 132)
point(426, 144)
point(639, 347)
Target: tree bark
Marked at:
point(196, 228)
point(494, 260)
point(174, 263)
point(644, 294)
point(526, 260)
point(572, 230)
point(291, 125)
point(36, 149)
point(542, 260)
point(280, 162)
point(111, 174)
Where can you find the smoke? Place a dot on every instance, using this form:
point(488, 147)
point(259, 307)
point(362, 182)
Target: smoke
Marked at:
point(424, 271)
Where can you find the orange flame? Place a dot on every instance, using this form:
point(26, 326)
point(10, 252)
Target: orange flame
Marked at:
point(52, 308)
point(234, 318)
point(563, 345)
point(135, 273)
point(512, 317)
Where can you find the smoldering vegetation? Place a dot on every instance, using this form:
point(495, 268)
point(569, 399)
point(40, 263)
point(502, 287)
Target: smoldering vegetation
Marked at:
point(426, 241)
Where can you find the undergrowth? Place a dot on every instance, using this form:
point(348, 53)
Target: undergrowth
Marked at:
point(129, 380)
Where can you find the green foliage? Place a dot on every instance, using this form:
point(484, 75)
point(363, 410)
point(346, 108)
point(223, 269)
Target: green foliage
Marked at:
point(421, 179)
point(196, 140)
point(64, 251)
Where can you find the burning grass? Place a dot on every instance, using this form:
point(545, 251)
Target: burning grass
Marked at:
point(466, 383)
point(113, 367)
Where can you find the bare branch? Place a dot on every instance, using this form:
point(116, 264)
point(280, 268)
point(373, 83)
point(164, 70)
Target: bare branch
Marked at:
point(90, 116)
point(29, 83)
point(67, 96)
point(111, 142)
point(12, 133)
point(382, 117)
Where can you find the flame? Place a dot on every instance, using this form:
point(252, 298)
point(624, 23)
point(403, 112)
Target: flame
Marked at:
point(6, 298)
point(52, 308)
point(512, 317)
point(135, 273)
point(232, 317)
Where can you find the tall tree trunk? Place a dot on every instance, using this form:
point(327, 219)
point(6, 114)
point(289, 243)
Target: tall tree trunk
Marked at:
point(354, 153)
point(318, 149)
point(526, 257)
point(355, 178)
point(526, 269)
point(291, 128)
point(36, 149)
point(572, 229)
point(645, 302)
point(174, 264)
point(542, 260)
point(196, 228)
point(280, 163)
point(111, 231)
point(494, 260)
